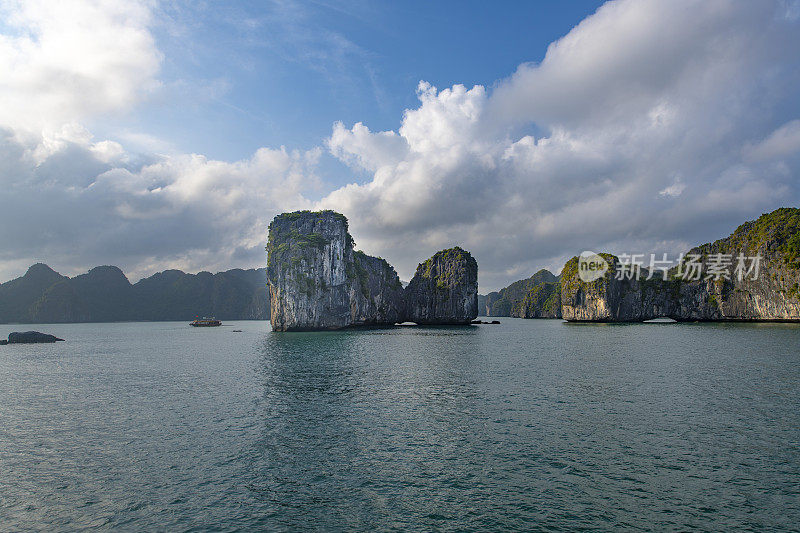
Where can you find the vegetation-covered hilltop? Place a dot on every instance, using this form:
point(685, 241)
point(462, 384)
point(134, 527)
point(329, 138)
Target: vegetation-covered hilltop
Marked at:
point(534, 297)
point(773, 235)
point(774, 295)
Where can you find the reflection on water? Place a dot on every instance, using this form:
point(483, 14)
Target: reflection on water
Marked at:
point(527, 425)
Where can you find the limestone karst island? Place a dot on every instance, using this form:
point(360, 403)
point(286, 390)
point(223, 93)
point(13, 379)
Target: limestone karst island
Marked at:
point(317, 281)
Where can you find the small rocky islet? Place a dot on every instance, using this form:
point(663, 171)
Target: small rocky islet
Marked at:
point(29, 337)
point(318, 281)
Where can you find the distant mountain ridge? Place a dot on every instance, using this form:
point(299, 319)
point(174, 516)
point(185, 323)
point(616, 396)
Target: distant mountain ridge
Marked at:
point(104, 294)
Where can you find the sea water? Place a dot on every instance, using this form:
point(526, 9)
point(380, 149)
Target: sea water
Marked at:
point(526, 425)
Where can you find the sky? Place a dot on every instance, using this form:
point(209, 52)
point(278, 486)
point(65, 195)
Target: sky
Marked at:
point(154, 135)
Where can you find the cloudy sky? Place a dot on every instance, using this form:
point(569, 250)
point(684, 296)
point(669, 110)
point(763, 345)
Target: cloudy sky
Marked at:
point(153, 135)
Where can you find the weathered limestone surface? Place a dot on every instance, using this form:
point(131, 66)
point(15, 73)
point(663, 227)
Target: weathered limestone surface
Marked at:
point(444, 289)
point(773, 296)
point(317, 280)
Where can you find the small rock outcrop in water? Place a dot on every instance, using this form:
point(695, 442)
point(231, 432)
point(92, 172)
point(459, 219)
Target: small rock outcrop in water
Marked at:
point(444, 289)
point(773, 296)
point(317, 280)
point(31, 337)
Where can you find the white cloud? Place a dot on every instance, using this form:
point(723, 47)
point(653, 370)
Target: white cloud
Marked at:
point(68, 60)
point(84, 205)
point(75, 201)
point(783, 142)
point(674, 190)
point(359, 147)
point(633, 96)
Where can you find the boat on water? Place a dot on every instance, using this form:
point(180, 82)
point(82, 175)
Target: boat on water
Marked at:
point(205, 322)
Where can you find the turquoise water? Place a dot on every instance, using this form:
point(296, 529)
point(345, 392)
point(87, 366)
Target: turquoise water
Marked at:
point(528, 425)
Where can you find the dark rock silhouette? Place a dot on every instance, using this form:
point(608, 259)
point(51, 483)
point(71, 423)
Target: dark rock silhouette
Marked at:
point(31, 337)
point(104, 294)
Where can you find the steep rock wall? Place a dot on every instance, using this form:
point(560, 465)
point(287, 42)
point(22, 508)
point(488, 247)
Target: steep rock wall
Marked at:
point(444, 289)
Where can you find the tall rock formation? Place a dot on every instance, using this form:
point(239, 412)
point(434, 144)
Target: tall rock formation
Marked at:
point(774, 294)
point(317, 281)
point(444, 289)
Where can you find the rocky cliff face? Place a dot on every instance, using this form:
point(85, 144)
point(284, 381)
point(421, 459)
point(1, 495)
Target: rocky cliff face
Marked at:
point(612, 300)
point(482, 305)
point(444, 289)
point(317, 281)
point(774, 294)
point(492, 307)
point(376, 295)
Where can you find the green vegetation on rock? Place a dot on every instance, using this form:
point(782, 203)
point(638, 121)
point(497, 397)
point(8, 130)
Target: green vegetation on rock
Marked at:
point(770, 293)
point(444, 289)
point(444, 279)
point(775, 233)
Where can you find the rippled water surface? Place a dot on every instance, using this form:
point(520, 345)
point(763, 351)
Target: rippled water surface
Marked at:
point(526, 425)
